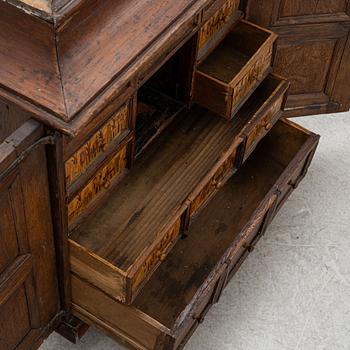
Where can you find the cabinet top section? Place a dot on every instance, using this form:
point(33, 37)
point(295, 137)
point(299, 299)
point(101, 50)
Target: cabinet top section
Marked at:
point(63, 60)
point(45, 9)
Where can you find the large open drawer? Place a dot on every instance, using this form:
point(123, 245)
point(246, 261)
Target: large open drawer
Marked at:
point(122, 243)
point(178, 295)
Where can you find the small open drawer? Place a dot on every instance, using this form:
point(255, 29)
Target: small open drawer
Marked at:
point(269, 100)
point(231, 73)
point(178, 295)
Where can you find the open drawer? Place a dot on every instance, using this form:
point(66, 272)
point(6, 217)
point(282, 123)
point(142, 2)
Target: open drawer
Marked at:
point(230, 74)
point(121, 244)
point(178, 295)
point(219, 17)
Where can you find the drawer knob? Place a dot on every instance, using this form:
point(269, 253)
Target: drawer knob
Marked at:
point(249, 247)
point(268, 126)
point(292, 184)
point(161, 257)
point(218, 184)
point(199, 319)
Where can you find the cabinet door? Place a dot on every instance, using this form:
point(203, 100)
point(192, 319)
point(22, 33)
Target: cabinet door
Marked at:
point(28, 284)
point(312, 51)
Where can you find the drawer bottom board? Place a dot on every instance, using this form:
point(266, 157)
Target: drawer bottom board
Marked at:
point(178, 295)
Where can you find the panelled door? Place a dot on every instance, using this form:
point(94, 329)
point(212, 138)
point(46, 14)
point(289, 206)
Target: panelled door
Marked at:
point(313, 51)
point(28, 283)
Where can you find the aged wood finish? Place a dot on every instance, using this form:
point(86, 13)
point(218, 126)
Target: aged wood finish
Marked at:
point(216, 181)
point(91, 52)
point(273, 93)
point(45, 9)
point(114, 129)
point(155, 192)
point(175, 299)
point(28, 283)
point(109, 173)
point(312, 51)
point(226, 79)
point(11, 118)
point(132, 232)
point(153, 210)
point(222, 15)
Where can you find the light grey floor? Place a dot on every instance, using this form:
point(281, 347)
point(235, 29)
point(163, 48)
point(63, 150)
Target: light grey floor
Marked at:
point(293, 292)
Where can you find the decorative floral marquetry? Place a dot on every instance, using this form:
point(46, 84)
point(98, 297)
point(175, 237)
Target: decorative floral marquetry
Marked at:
point(254, 74)
point(97, 144)
point(214, 184)
point(99, 183)
point(266, 123)
point(217, 22)
point(158, 254)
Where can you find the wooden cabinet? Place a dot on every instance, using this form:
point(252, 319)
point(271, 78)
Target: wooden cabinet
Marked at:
point(29, 299)
point(312, 51)
point(168, 157)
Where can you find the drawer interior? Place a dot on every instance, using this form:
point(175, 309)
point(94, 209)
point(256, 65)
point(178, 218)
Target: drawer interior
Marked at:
point(157, 190)
point(163, 96)
point(155, 110)
point(234, 52)
point(260, 98)
point(218, 226)
point(179, 286)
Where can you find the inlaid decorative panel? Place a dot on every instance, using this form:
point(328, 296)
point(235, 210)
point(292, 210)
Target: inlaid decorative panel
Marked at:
point(217, 22)
point(257, 69)
point(158, 254)
point(100, 182)
point(96, 145)
point(213, 185)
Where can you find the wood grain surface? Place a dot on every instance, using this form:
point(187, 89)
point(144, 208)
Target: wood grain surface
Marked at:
point(176, 298)
point(226, 79)
point(180, 172)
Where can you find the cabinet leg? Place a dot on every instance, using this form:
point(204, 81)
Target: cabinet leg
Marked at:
point(72, 328)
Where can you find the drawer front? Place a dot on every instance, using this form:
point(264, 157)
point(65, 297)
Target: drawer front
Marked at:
point(204, 301)
point(294, 178)
point(123, 285)
point(98, 144)
point(157, 256)
point(214, 184)
point(255, 72)
point(250, 238)
point(217, 26)
point(225, 80)
point(102, 180)
point(96, 308)
point(266, 119)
